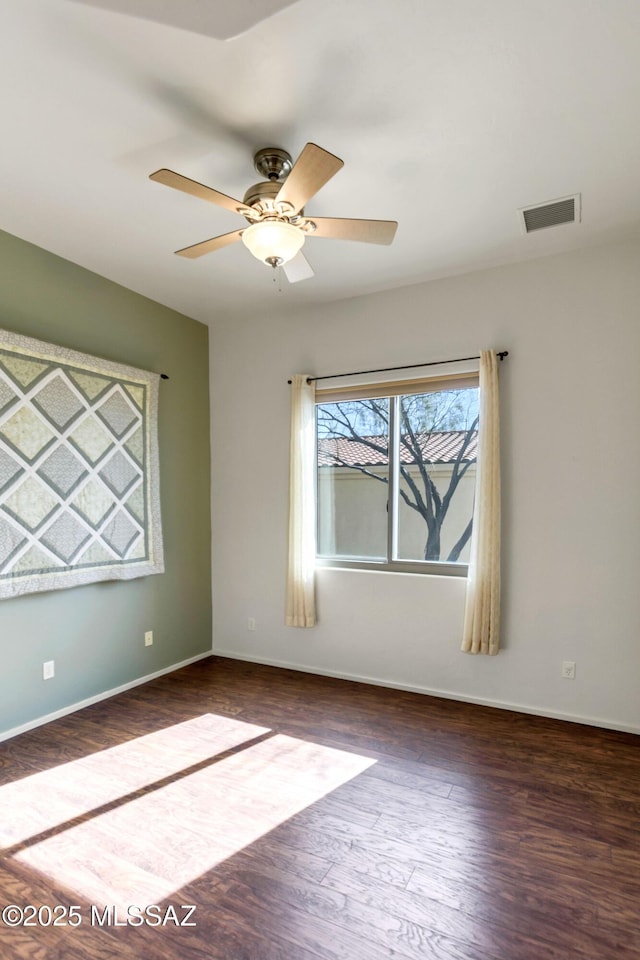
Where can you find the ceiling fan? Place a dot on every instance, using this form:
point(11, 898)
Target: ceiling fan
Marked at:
point(278, 225)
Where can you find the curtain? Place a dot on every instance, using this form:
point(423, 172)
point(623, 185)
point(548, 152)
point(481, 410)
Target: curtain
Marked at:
point(300, 594)
point(481, 630)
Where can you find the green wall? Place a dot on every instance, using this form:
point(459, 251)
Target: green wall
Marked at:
point(95, 633)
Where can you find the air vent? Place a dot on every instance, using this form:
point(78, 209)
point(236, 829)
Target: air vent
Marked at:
point(553, 214)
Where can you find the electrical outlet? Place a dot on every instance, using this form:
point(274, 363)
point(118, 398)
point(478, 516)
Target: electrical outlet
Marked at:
point(148, 638)
point(569, 669)
point(48, 669)
point(251, 624)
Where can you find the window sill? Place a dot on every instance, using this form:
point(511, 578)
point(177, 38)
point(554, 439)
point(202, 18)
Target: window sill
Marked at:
point(432, 569)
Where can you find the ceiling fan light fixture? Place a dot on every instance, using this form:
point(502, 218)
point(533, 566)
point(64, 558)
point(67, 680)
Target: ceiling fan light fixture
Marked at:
point(273, 241)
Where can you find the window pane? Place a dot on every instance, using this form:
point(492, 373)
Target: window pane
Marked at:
point(438, 433)
point(353, 473)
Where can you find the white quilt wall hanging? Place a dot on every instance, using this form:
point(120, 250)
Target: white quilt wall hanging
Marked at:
point(79, 489)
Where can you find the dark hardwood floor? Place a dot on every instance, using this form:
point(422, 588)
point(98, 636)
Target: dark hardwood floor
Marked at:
point(314, 819)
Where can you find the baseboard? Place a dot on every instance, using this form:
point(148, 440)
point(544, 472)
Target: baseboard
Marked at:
point(430, 692)
point(81, 704)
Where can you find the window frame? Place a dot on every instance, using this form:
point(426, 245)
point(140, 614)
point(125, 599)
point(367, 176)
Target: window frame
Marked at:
point(394, 391)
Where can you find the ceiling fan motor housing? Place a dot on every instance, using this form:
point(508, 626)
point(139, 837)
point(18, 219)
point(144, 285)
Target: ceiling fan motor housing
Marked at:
point(267, 190)
point(262, 197)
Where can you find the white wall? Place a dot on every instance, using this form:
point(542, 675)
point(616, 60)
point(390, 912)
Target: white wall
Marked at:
point(571, 508)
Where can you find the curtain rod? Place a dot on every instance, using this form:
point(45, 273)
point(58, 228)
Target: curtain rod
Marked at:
point(408, 366)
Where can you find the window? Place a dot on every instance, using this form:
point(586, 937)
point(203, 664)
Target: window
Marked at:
point(396, 475)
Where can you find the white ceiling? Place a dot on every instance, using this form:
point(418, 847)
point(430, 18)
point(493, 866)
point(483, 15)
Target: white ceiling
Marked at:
point(450, 116)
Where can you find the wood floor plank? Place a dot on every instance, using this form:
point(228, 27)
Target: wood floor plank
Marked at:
point(310, 818)
point(496, 922)
point(378, 933)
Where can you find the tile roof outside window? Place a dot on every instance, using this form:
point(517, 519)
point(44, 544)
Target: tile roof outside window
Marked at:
point(436, 447)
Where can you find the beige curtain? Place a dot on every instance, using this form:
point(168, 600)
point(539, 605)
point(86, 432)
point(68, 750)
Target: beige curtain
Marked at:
point(301, 605)
point(481, 631)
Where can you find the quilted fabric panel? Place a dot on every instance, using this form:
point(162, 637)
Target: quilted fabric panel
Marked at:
point(79, 485)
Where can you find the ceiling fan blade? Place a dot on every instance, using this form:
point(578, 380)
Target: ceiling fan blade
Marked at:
point(171, 179)
point(208, 246)
point(313, 168)
point(223, 22)
point(366, 231)
point(297, 269)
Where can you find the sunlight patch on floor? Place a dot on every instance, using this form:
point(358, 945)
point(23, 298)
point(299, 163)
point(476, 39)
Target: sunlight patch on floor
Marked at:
point(148, 848)
point(51, 798)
